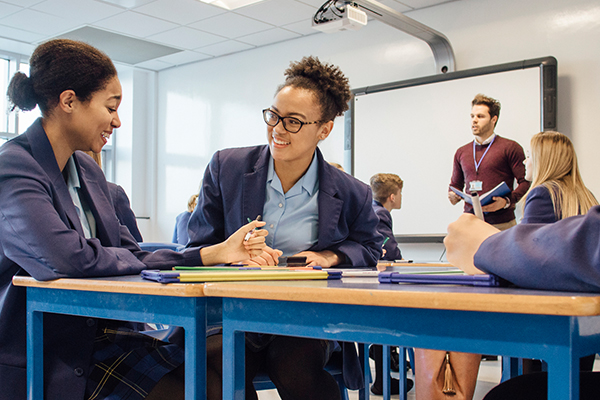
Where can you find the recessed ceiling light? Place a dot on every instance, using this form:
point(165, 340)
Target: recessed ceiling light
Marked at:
point(230, 4)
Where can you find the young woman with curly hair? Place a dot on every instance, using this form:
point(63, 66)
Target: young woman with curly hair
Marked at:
point(311, 209)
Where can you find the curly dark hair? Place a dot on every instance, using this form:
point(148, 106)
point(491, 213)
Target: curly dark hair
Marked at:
point(326, 81)
point(56, 66)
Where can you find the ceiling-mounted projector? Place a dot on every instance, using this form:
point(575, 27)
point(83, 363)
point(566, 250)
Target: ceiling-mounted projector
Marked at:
point(351, 19)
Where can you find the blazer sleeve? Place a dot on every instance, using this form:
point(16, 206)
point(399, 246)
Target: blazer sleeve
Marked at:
point(539, 208)
point(35, 237)
point(207, 223)
point(362, 247)
point(125, 213)
point(561, 256)
point(385, 227)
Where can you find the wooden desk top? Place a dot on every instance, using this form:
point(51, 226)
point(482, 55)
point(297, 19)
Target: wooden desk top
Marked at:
point(367, 291)
point(133, 284)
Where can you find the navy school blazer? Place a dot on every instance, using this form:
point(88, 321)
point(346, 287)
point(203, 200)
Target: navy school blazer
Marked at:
point(562, 256)
point(41, 236)
point(385, 227)
point(125, 214)
point(233, 190)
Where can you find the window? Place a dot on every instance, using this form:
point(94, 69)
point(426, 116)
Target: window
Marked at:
point(13, 123)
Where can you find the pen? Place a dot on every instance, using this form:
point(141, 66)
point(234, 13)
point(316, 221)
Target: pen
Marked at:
point(385, 241)
point(252, 231)
point(477, 205)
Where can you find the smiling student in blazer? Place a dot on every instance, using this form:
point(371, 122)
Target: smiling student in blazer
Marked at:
point(311, 209)
point(58, 221)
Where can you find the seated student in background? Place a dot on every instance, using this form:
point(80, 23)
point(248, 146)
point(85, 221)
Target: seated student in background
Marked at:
point(180, 234)
point(120, 200)
point(58, 221)
point(311, 208)
point(557, 190)
point(387, 196)
point(540, 253)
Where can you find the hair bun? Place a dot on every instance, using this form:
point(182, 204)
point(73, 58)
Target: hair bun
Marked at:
point(21, 93)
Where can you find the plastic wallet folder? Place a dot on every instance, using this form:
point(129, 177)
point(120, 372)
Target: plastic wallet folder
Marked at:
point(235, 275)
point(440, 279)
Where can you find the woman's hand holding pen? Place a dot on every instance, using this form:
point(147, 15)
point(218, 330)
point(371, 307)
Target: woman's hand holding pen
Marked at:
point(465, 235)
point(235, 248)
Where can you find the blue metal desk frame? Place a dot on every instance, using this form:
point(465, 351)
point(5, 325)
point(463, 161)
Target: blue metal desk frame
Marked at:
point(560, 340)
point(191, 313)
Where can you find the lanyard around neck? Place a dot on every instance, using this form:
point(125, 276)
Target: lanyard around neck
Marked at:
point(477, 164)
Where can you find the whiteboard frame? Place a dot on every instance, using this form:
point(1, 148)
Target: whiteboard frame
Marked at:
point(548, 107)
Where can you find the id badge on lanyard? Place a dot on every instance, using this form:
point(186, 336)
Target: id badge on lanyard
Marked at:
point(477, 185)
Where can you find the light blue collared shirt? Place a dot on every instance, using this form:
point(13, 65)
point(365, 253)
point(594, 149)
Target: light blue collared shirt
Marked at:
point(88, 222)
point(292, 218)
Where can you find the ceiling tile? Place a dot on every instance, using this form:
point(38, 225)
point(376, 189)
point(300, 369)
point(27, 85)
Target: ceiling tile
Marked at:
point(182, 12)
point(268, 37)
point(231, 25)
point(314, 3)
point(7, 9)
point(186, 38)
point(395, 5)
point(84, 11)
point(416, 4)
point(278, 12)
point(19, 34)
point(134, 24)
point(154, 65)
point(302, 27)
point(183, 57)
point(38, 22)
point(121, 48)
point(22, 3)
point(228, 47)
point(128, 3)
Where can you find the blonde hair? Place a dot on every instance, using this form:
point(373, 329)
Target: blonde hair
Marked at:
point(383, 185)
point(555, 166)
point(192, 202)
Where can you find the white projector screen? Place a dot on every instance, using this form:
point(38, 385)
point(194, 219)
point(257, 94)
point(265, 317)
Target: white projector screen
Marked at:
point(413, 128)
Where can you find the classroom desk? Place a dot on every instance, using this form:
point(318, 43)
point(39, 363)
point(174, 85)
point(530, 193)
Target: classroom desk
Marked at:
point(128, 298)
point(557, 327)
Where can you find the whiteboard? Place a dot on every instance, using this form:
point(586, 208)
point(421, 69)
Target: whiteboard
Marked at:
point(413, 129)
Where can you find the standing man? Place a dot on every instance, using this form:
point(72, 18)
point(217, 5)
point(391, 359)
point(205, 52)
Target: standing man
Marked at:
point(490, 159)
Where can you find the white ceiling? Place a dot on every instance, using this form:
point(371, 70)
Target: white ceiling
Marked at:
point(188, 29)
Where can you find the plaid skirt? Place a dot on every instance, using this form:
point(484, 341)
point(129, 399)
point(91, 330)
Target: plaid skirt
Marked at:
point(126, 364)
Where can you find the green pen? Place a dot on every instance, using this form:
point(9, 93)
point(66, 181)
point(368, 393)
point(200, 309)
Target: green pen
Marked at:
point(385, 241)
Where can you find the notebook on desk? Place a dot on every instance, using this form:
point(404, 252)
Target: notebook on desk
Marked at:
point(445, 278)
point(236, 275)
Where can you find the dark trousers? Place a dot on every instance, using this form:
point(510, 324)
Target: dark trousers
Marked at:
point(294, 365)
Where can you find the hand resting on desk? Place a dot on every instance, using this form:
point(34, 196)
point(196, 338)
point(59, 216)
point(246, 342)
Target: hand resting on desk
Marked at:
point(267, 256)
point(465, 235)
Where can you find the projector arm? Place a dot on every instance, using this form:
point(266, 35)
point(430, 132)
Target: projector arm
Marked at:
point(439, 44)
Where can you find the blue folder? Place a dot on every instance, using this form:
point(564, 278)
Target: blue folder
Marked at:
point(441, 279)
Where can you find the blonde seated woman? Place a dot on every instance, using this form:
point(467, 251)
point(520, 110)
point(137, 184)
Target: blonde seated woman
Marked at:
point(557, 192)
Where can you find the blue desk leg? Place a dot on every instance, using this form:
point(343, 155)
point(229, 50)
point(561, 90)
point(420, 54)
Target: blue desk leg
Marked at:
point(234, 354)
point(402, 372)
point(35, 345)
point(195, 354)
point(363, 355)
point(563, 376)
point(511, 367)
point(385, 367)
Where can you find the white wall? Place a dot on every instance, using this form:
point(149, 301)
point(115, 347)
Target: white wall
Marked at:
point(216, 103)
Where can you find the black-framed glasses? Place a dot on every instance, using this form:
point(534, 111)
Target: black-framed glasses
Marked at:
point(290, 124)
